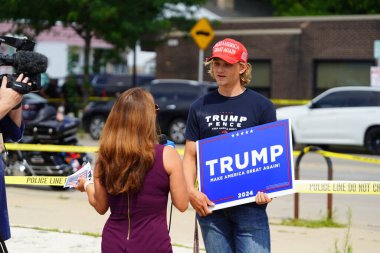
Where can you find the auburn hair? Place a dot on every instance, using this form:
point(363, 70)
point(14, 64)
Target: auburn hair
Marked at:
point(126, 146)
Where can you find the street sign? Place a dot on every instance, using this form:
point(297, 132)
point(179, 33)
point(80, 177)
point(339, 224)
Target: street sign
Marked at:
point(202, 33)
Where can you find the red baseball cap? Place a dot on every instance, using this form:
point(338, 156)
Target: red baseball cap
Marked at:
point(229, 50)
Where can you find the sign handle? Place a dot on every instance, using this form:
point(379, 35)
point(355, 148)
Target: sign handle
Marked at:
point(200, 65)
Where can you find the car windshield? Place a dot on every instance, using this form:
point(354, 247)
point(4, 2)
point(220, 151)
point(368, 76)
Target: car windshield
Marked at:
point(348, 99)
point(31, 97)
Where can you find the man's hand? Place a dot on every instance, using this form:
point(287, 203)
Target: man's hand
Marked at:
point(262, 198)
point(200, 203)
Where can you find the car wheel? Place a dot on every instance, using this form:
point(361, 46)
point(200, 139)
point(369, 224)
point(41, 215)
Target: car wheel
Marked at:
point(177, 131)
point(96, 127)
point(372, 140)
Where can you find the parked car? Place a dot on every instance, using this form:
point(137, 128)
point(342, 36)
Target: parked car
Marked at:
point(109, 85)
point(339, 116)
point(32, 103)
point(94, 116)
point(173, 96)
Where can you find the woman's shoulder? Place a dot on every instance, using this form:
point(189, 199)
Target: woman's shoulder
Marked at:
point(171, 158)
point(169, 150)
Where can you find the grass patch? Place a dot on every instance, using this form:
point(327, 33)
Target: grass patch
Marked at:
point(322, 223)
point(52, 230)
point(63, 197)
point(347, 245)
point(186, 247)
point(181, 245)
point(59, 231)
point(91, 234)
point(81, 133)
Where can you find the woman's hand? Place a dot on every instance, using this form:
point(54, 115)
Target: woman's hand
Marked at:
point(80, 186)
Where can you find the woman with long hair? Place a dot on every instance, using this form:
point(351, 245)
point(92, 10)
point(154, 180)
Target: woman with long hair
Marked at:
point(133, 175)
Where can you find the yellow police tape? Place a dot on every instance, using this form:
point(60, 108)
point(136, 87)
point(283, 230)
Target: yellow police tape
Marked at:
point(301, 186)
point(349, 157)
point(92, 149)
point(90, 99)
point(337, 187)
point(57, 148)
point(339, 155)
point(289, 101)
point(35, 180)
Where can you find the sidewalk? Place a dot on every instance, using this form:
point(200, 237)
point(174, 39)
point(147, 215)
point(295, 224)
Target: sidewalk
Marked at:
point(69, 211)
point(284, 239)
point(29, 240)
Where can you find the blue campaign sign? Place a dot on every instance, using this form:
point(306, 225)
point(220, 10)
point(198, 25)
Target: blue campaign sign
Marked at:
point(233, 167)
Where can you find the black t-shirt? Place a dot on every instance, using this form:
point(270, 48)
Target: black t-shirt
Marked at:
point(214, 114)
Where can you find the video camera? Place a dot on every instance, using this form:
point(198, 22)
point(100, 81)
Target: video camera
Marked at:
point(25, 61)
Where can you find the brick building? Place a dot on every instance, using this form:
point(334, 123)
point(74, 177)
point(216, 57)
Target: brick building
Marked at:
point(292, 58)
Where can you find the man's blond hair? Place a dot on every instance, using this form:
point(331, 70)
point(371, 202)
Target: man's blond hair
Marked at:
point(245, 77)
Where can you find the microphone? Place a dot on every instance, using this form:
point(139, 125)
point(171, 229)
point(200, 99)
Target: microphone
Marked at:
point(25, 62)
point(163, 140)
point(30, 62)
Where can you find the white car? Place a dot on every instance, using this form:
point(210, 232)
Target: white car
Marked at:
point(339, 116)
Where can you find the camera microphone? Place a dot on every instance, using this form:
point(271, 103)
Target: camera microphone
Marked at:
point(26, 62)
point(162, 139)
point(30, 62)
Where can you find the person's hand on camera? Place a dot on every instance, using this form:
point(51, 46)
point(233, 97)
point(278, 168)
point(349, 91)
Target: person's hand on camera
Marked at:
point(9, 97)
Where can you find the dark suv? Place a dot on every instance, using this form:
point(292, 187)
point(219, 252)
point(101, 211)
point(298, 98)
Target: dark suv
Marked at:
point(174, 97)
point(109, 85)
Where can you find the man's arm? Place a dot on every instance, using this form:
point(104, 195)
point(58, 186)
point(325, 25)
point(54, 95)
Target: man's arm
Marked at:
point(198, 200)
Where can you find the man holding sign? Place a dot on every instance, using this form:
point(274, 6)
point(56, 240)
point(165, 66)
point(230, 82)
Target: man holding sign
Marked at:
point(241, 228)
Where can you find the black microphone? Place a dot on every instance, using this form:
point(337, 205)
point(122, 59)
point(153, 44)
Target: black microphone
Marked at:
point(25, 62)
point(30, 62)
point(162, 139)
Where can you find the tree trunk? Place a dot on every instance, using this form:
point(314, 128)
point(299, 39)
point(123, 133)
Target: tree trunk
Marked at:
point(86, 64)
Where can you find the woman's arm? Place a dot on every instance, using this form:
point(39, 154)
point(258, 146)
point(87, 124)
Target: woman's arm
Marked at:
point(198, 200)
point(178, 187)
point(96, 193)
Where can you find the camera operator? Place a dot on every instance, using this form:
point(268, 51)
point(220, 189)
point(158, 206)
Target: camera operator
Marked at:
point(11, 129)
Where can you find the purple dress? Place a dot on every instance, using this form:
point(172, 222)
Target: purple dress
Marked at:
point(145, 229)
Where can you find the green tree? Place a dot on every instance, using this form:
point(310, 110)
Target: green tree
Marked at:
point(120, 22)
point(323, 7)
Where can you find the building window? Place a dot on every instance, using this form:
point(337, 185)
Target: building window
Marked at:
point(261, 72)
point(341, 73)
